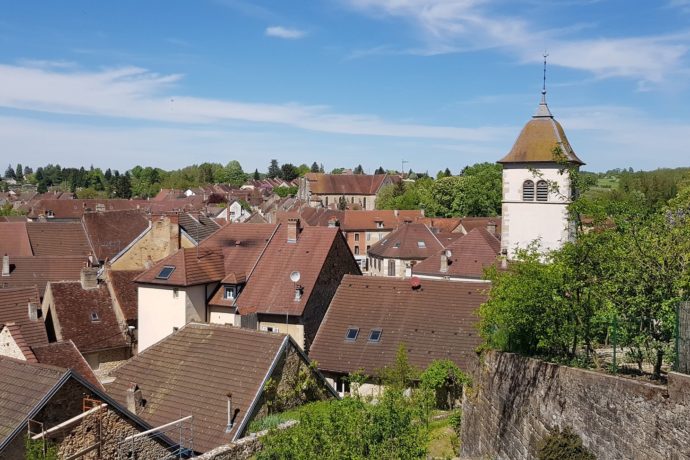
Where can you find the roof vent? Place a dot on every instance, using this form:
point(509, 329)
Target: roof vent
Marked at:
point(5, 265)
point(415, 282)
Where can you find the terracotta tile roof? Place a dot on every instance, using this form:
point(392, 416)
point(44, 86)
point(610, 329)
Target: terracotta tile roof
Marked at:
point(436, 321)
point(73, 316)
point(471, 254)
point(442, 224)
point(269, 289)
point(22, 386)
point(198, 226)
point(75, 209)
point(470, 223)
point(193, 370)
point(409, 242)
point(58, 239)
point(187, 267)
point(37, 271)
point(345, 184)
point(65, 355)
point(125, 291)
point(14, 308)
point(377, 220)
point(16, 333)
point(14, 239)
point(537, 140)
point(240, 244)
point(168, 194)
point(111, 231)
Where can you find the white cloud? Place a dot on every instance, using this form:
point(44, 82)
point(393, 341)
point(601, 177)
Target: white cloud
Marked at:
point(135, 93)
point(285, 32)
point(450, 26)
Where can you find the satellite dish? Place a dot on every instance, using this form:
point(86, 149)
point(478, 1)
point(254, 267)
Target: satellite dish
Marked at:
point(295, 276)
point(448, 253)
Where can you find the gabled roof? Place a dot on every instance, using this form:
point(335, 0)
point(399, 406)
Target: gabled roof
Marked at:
point(442, 224)
point(470, 223)
point(538, 139)
point(409, 242)
point(471, 254)
point(111, 231)
point(187, 267)
point(437, 320)
point(125, 291)
point(378, 220)
point(14, 308)
point(240, 244)
point(37, 271)
point(269, 288)
point(16, 334)
point(86, 317)
point(22, 387)
point(199, 227)
point(65, 354)
point(345, 184)
point(193, 370)
point(14, 239)
point(58, 239)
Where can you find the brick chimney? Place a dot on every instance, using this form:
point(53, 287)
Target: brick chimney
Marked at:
point(293, 229)
point(89, 278)
point(5, 265)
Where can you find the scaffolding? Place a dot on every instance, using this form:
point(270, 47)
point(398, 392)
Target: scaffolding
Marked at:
point(130, 448)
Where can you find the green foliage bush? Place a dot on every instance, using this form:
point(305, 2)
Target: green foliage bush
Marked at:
point(563, 445)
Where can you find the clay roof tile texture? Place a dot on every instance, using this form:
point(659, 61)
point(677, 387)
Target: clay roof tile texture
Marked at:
point(37, 271)
point(65, 354)
point(14, 308)
point(58, 239)
point(537, 141)
point(345, 184)
point(111, 231)
point(438, 320)
point(14, 239)
point(409, 242)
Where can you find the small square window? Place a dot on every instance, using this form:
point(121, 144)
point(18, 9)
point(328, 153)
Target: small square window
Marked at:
point(375, 335)
point(165, 272)
point(94, 316)
point(229, 292)
point(352, 333)
point(397, 245)
point(421, 244)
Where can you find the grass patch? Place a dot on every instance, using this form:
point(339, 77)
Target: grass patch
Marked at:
point(273, 420)
point(443, 440)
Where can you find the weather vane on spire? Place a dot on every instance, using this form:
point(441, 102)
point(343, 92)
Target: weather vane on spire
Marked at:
point(543, 88)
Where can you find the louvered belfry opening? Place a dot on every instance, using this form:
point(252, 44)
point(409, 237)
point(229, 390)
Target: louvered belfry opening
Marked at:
point(528, 191)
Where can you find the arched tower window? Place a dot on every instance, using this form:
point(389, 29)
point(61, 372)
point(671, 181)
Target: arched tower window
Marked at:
point(528, 191)
point(542, 191)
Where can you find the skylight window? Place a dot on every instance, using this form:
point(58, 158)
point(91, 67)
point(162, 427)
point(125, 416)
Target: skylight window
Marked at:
point(397, 245)
point(165, 272)
point(375, 335)
point(352, 333)
point(421, 244)
point(94, 316)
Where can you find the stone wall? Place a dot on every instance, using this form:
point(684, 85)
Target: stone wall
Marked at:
point(243, 449)
point(515, 401)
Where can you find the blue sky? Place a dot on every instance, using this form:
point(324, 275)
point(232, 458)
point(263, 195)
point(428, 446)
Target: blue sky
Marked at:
point(440, 83)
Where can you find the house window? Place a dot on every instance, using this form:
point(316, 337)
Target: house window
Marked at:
point(391, 267)
point(421, 244)
point(94, 317)
point(342, 385)
point(356, 250)
point(352, 333)
point(356, 236)
point(229, 292)
point(50, 213)
point(368, 247)
point(326, 201)
point(528, 190)
point(270, 329)
point(368, 236)
point(165, 272)
point(379, 224)
point(396, 245)
point(375, 335)
point(542, 191)
point(365, 203)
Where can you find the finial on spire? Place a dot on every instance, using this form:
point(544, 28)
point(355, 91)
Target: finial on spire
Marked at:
point(543, 109)
point(543, 88)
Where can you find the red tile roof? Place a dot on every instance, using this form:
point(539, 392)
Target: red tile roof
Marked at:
point(471, 254)
point(470, 223)
point(37, 271)
point(111, 231)
point(537, 141)
point(66, 355)
point(73, 308)
point(16, 333)
point(408, 242)
point(442, 224)
point(269, 288)
point(14, 308)
point(344, 184)
point(125, 291)
point(198, 227)
point(377, 220)
point(193, 370)
point(438, 320)
point(58, 239)
point(189, 267)
point(75, 209)
point(14, 239)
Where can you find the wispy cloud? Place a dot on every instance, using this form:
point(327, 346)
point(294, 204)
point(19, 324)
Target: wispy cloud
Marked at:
point(451, 26)
point(285, 32)
point(135, 93)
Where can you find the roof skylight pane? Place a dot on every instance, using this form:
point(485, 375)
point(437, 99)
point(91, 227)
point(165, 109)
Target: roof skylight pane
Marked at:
point(421, 244)
point(352, 333)
point(165, 272)
point(375, 335)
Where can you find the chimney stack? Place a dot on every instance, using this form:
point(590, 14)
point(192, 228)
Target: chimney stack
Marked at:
point(33, 311)
point(333, 222)
point(292, 229)
point(491, 227)
point(444, 263)
point(5, 265)
point(89, 278)
point(134, 398)
point(230, 424)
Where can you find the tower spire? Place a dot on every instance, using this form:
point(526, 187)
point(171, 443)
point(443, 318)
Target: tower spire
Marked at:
point(543, 109)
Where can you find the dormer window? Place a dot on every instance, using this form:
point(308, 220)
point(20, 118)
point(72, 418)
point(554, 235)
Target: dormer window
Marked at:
point(230, 292)
point(165, 272)
point(50, 213)
point(379, 224)
point(94, 317)
point(528, 190)
point(542, 191)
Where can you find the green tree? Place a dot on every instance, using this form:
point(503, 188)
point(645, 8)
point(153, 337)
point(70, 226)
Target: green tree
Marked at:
point(380, 170)
point(256, 176)
point(273, 170)
point(234, 174)
point(9, 173)
point(314, 167)
point(288, 172)
point(358, 170)
point(19, 172)
point(445, 379)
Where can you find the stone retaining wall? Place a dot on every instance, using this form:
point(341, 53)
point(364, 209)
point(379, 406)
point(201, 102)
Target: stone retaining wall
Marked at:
point(515, 401)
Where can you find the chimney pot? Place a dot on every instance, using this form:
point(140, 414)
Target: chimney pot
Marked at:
point(5, 265)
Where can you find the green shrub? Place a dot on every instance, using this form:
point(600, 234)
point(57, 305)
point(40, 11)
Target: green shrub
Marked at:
point(563, 445)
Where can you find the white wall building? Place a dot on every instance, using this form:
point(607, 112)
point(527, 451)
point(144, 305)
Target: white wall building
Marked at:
point(536, 185)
